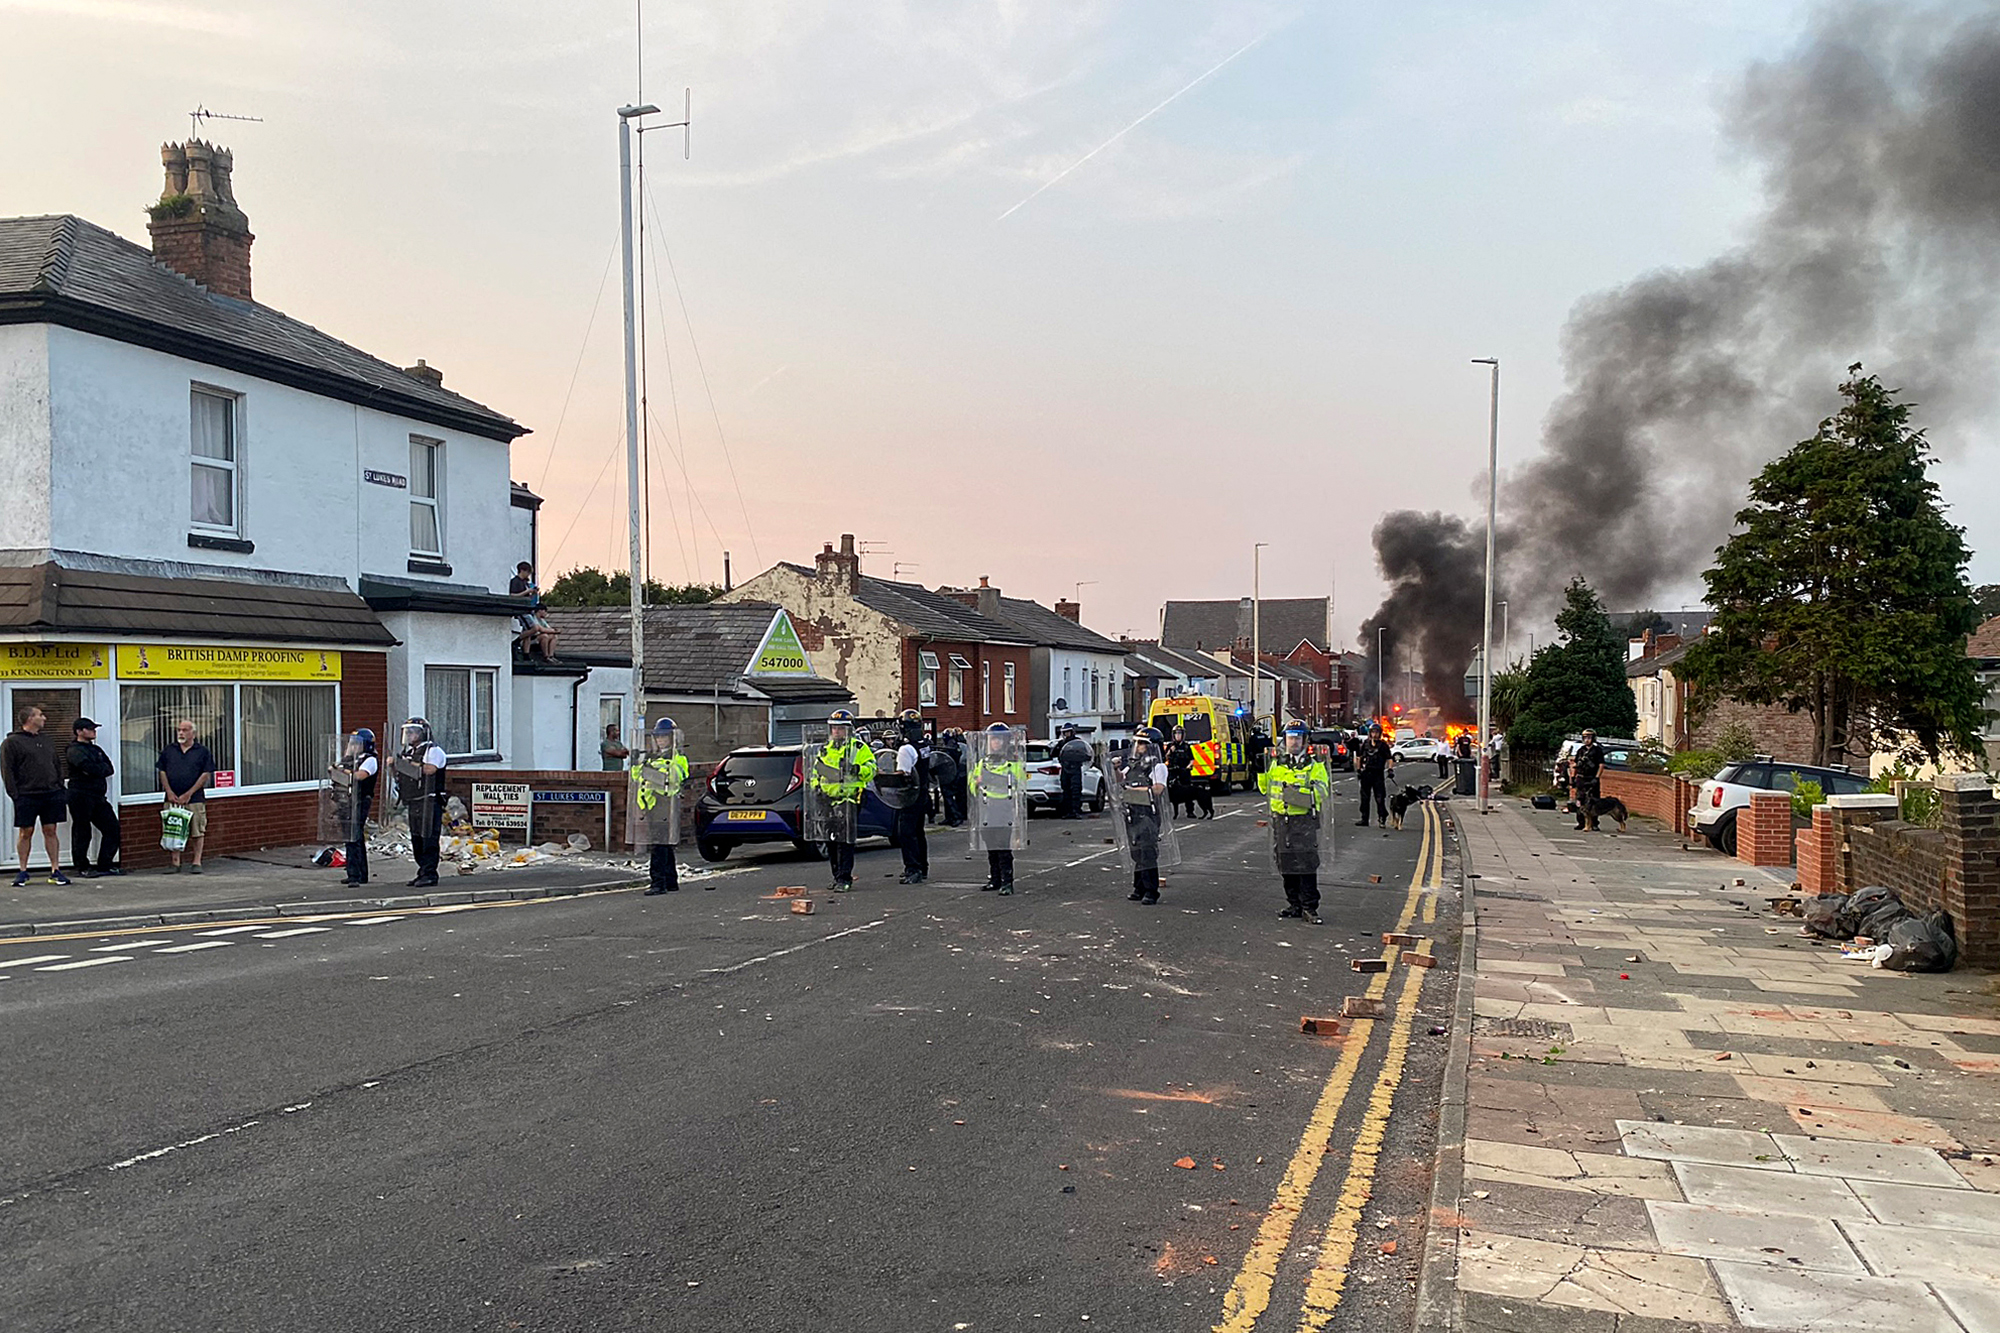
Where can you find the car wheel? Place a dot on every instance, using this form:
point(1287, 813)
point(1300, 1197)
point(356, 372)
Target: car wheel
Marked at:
point(1097, 802)
point(1723, 837)
point(711, 850)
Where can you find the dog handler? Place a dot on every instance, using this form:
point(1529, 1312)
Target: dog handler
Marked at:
point(1373, 762)
point(1586, 769)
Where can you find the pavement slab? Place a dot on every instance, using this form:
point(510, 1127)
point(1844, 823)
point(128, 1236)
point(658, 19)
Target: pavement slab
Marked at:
point(1816, 1137)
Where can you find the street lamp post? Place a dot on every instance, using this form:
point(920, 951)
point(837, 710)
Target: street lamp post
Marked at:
point(1381, 672)
point(1506, 639)
point(1486, 636)
point(626, 115)
point(1256, 628)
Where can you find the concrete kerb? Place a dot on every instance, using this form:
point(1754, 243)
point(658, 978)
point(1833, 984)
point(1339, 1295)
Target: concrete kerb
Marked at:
point(1439, 1307)
point(323, 907)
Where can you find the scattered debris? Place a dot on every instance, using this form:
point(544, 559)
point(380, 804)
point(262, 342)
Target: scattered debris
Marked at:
point(802, 907)
point(1361, 1006)
point(1392, 937)
point(1388, 1247)
point(1421, 959)
point(1185, 1163)
point(1369, 964)
point(1374, 879)
point(1319, 1027)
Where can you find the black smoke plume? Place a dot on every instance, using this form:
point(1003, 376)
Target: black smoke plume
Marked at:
point(1878, 141)
point(1436, 567)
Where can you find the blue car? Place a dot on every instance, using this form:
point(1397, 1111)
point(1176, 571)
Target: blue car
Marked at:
point(757, 794)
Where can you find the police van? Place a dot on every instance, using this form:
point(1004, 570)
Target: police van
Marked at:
point(1216, 730)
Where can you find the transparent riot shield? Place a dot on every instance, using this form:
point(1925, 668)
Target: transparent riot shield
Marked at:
point(340, 813)
point(416, 798)
point(653, 807)
point(898, 791)
point(996, 791)
point(1299, 812)
point(832, 814)
point(1143, 819)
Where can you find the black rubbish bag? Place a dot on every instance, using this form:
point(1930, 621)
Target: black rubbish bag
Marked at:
point(1878, 923)
point(1543, 801)
point(1862, 905)
point(1823, 917)
point(1922, 944)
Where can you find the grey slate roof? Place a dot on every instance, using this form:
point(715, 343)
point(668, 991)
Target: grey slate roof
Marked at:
point(1188, 664)
point(49, 597)
point(1042, 626)
point(689, 649)
point(63, 270)
point(1208, 626)
point(1647, 666)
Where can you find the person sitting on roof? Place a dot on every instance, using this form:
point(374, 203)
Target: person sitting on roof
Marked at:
point(532, 627)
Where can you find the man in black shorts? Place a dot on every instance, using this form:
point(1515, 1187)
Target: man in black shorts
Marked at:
point(34, 784)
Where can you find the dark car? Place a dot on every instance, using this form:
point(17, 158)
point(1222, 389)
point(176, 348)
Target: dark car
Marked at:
point(757, 794)
point(1339, 747)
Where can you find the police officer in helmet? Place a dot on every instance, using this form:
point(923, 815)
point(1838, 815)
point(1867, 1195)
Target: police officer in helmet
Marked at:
point(657, 780)
point(420, 766)
point(838, 771)
point(913, 770)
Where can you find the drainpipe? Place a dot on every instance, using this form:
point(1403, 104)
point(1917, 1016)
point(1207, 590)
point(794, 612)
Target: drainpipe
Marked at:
point(575, 718)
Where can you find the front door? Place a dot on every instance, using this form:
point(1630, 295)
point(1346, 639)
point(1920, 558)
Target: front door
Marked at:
point(63, 705)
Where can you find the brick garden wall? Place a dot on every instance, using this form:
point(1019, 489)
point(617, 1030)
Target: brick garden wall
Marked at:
point(555, 821)
point(1764, 830)
point(1653, 795)
point(1954, 868)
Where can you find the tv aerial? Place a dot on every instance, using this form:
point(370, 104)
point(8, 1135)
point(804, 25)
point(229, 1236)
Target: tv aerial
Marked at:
point(201, 113)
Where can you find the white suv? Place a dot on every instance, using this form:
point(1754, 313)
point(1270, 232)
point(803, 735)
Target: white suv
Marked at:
point(1722, 796)
point(1045, 779)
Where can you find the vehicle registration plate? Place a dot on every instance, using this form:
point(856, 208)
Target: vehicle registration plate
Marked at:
point(757, 815)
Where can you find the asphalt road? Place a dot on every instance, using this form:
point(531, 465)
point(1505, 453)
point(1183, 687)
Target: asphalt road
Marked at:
point(918, 1108)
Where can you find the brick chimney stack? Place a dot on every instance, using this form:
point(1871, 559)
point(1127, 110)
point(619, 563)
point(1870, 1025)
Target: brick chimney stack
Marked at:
point(988, 601)
point(428, 373)
point(198, 231)
point(1070, 611)
point(840, 568)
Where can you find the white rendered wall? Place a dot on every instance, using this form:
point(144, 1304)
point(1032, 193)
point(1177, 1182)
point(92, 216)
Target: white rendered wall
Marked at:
point(431, 639)
point(24, 436)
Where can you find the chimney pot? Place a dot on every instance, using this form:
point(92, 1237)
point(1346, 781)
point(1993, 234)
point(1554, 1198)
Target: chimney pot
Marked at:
point(197, 229)
point(847, 543)
point(982, 581)
point(430, 374)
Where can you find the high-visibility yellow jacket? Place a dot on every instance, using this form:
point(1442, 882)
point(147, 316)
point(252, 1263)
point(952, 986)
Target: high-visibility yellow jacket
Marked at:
point(1288, 775)
point(828, 762)
point(675, 768)
point(999, 780)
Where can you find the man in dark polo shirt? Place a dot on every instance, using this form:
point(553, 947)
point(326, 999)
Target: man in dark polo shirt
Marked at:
point(34, 785)
point(185, 769)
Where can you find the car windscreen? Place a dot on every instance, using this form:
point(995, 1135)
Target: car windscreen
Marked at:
point(771, 772)
point(1195, 727)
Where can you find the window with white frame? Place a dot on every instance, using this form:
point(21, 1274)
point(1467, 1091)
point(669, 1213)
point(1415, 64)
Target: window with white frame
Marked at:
point(927, 676)
point(1065, 696)
point(955, 684)
point(1096, 684)
point(458, 701)
point(214, 461)
point(426, 517)
point(985, 688)
point(1007, 687)
point(261, 734)
point(1993, 705)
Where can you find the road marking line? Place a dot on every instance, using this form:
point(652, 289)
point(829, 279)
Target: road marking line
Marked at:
point(38, 958)
point(374, 920)
point(1430, 911)
point(126, 944)
point(87, 962)
point(771, 957)
point(1328, 1281)
point(287, 934)
point(236, 930)
point(1249, 1295)
point(199, 944)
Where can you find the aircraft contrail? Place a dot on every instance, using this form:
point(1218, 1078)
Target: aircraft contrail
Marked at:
point(1198, 79)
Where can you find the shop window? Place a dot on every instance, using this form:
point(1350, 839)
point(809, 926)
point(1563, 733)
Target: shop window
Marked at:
point(426, 472)
point(1007, 687)
point(927, 679)
point(955, 683)
point(148, 716)
point(458, 702)
point(287, 732)
point(214, 474)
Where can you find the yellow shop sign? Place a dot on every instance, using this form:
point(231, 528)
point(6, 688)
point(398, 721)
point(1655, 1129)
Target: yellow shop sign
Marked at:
point(54, 661)
point(161, 661)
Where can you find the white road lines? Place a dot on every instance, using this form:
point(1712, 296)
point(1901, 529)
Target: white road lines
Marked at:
point(780, 953)
point(127, 944)
point(296, 930)
point(38, 958)
point(197, 946)
point(232, 930)
point(374, 920)
point(87, 962)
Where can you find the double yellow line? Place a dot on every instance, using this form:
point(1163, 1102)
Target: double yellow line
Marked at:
point(1249, 1295)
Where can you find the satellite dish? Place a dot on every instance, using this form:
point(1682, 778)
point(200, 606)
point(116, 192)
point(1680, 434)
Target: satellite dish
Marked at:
point(1062, 705)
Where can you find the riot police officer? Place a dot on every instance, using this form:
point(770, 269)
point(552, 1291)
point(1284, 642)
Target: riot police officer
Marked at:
point(999, 813)
point(1298, 786)
point(420, 766)
point(913, 778)
point(839, 770)
point(362, 767)
point(657, 780)
point(1145, 826)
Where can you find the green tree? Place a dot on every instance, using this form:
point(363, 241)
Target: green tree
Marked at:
point(1576, 682)
point(590, 586)
point(1843, 594)
point(1987, 595)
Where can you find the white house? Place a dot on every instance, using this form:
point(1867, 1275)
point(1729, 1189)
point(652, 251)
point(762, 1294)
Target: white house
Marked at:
point(1076, 676)
point(219, 512)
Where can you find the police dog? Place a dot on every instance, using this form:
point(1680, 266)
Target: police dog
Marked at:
point(1607, 806)
point(1405, 797)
